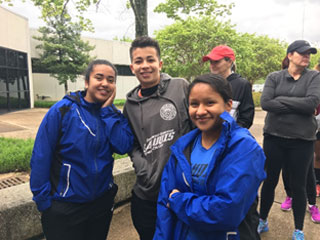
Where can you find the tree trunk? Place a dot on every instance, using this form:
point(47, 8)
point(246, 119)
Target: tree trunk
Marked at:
point(66, 87)
point(140, 8)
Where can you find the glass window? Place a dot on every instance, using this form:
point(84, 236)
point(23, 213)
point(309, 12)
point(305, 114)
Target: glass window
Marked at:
point(124, 70)
point(2, 57)
point(22, 60)
point(14, 81)
point(12, 58)
point(12, 77)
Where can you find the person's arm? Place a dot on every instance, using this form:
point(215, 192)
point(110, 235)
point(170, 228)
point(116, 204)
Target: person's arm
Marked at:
point(268, 99)
point(240, 175)
point(246, 108)
point(307, 104)
point(41, 158)
point(165, 217)
point(117, 129)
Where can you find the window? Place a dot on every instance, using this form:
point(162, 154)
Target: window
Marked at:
point(14, 81)
point(123, 70)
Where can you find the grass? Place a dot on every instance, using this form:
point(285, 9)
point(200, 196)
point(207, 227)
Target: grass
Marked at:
point(256, 98)
point(15, 154)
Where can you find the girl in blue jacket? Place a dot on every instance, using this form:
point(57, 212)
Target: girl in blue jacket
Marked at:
point(71, 164)
point(214, 171)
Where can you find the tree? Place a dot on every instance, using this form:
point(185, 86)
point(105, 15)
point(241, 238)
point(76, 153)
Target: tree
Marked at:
point(175, 9)
point(257, 56)
point(315, 59)
point(63, 54)
point(185, 42)
point(139, 8)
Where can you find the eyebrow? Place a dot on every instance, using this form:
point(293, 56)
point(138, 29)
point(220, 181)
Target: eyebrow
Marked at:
point(99, 74)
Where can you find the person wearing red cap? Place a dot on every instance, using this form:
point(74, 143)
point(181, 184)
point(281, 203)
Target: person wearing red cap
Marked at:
point(222, 62)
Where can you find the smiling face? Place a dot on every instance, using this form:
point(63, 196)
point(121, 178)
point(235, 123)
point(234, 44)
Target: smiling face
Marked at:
point(101, 84)
point(205, 107)
point(146, 65)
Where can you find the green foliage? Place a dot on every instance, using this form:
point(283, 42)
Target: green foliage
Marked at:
point(117, 156)
point(123, 39)
point(256, 98)
point(49, 104)
point(8, 2)
point(63, 53)
point(44, 104)
point(185, 42)
point(257, 56)
point(175, 9)
point(119, 102)
point(51, 9)
point(15, 154)
point(315, 59)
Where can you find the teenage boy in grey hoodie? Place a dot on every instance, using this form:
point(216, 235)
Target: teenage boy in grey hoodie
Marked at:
point(158, 114)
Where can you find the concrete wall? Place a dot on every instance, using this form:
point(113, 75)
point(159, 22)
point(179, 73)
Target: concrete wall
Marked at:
point(14, 31)
point(114, 51)
point(48, 87)
point(19, 217)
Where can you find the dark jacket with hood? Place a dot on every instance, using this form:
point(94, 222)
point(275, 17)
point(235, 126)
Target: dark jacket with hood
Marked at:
point(72, 155)
point(242, 102)
point(157, 122)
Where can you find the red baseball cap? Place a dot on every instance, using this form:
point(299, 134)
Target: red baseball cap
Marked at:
point(219, 52)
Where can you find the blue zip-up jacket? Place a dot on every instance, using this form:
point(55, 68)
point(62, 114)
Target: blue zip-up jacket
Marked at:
point(234, 175)
point(72, 155)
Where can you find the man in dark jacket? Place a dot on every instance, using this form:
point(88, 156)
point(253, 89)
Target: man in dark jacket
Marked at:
point(222, 61)
point(158, 114)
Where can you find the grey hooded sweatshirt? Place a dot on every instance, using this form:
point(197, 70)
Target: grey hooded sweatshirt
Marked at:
point(157, 122)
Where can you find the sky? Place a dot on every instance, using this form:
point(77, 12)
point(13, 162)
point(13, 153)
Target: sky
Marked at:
point(287, 20)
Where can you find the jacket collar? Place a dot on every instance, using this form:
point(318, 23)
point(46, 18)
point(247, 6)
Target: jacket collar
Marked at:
point(162, 87)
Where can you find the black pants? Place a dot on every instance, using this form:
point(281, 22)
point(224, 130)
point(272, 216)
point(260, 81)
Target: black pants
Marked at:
point(248, 227)
point(297, 155)
point(144, 216)
point(79, 221)
point(311, 183)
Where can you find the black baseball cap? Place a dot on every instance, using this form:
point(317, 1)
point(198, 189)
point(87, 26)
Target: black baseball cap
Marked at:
point(301, 46)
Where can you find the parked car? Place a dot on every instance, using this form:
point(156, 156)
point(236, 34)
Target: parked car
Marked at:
point(257, 87)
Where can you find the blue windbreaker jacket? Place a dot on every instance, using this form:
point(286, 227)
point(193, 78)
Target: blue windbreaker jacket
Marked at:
point(72, 155)
point(234, 175)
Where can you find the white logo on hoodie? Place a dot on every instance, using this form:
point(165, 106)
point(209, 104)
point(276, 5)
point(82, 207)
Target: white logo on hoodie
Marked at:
point(156, 141)
point(168, 112)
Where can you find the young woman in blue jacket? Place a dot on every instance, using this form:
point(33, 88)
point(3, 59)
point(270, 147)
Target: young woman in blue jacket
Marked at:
point(71, 164)
point(214, 171)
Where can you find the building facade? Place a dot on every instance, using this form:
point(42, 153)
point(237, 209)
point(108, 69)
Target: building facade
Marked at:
point(21, 83)
point(15, 62)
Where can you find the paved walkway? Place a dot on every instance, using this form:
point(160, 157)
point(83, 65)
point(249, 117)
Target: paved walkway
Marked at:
point(24, 124)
